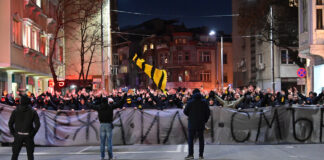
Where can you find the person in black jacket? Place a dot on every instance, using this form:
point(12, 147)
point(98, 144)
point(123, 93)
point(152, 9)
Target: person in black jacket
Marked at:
point(23, 124)
point(198, 113)
point(106, 114)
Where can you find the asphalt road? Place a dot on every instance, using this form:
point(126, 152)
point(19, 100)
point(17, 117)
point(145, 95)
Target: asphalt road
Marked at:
point(178, 152)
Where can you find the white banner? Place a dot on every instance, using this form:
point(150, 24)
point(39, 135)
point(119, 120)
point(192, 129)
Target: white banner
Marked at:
point(226, 126)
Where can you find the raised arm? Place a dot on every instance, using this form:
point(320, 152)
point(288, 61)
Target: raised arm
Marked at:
point(220, 100)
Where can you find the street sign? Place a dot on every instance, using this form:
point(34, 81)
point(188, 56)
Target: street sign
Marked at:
point(301, 81)
point(301, 72)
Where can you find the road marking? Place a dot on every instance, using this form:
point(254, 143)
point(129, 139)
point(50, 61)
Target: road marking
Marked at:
point(84, 149)
point(185, 149)
point(178, 148)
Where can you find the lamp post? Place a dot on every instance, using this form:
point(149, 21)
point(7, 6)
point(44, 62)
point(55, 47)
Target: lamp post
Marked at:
point(213, 33)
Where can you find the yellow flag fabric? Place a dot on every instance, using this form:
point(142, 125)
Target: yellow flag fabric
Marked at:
point(159, 76)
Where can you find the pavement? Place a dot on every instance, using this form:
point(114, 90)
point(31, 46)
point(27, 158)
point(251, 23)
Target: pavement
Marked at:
point(177, 152)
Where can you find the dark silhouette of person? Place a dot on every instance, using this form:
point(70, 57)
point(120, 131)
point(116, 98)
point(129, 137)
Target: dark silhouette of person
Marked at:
point(198, 112)
point(23, 124)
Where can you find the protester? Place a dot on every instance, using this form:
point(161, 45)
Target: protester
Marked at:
point(197, 110)
point(24, 124)
point(105, 114)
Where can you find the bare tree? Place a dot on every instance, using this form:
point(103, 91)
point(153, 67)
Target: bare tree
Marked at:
point(254, 19)
point(65, 13)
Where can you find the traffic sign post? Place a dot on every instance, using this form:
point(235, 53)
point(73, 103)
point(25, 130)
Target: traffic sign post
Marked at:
point(301, 72)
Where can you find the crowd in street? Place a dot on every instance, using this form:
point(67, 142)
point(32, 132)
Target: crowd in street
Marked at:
point(247, 97)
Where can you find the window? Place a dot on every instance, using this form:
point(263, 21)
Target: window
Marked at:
point(34, 40)
point(319, 18)
point(179, 59)
point(260, 58)
point(205, 57)
point(225, 78)
point(305, 16)
point(151, 46)
point(16, 32)
point(187, 57)
point(42, 44)
point(205, 76)
point(285, 58)
point(225, 59)
point(145, 48)
point(39, 3)
point(293, 3)
point(319, 2)
point(26, 36)
point(115, 60)
point(61, 54)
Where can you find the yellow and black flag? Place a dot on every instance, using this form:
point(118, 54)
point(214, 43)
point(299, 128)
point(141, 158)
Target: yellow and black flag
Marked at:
point(159, 76)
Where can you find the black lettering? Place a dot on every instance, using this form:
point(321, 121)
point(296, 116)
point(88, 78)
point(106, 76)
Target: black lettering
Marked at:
point(301, 121)
point(321, 124)
point(86, 124)
point(58, 124)
point(156, 119)
point(269, 124)
point(232, 128)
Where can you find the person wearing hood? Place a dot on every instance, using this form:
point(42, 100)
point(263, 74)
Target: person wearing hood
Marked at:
point(129, 103)
point(198, 112)
point(106, 115)
point(23, 124)
point(148, 103)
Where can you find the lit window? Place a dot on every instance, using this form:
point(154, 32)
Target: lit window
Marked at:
point(293, 3)
point(151, 46)
point(39, 3)
point(16, 36)
point(42, 44)
point(145, 48)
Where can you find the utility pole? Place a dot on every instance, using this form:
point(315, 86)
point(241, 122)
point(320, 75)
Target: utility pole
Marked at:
point(109, 48)
point(272, 50)
point(102, 50)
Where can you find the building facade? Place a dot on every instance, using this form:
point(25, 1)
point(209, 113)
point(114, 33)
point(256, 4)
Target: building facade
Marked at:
point(311, 41)
point(252, 56)
point(27, 34)
point(191, 60)
point(76, 46)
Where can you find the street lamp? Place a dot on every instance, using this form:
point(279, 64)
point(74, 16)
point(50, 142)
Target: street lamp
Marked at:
point(212, 33)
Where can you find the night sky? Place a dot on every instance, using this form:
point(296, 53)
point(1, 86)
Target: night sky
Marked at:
point(186, 11)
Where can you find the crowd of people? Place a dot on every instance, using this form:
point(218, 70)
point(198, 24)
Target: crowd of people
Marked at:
point(247, 97)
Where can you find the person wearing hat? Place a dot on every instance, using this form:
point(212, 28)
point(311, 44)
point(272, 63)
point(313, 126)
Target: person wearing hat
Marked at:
point(198, 112)
point(106, 114)
point(23, 124)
